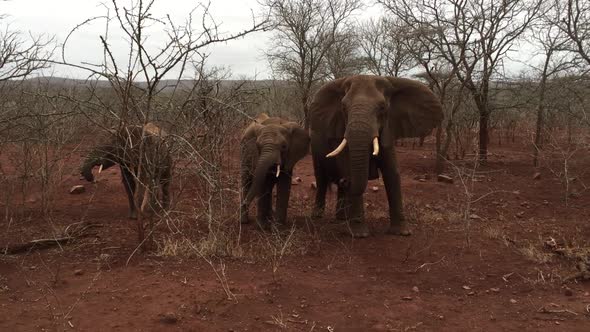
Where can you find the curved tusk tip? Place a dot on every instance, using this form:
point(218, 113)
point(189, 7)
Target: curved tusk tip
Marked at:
point(375, 153)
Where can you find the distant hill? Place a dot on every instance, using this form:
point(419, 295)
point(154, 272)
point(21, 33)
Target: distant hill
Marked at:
point(167, 84)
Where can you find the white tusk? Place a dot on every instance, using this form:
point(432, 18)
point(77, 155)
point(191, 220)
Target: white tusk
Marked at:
point(338, 149)
point(278, 170)
point(100, 169)
point(375, 146)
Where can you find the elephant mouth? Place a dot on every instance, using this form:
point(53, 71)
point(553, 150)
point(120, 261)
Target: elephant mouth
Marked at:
point(342, 145)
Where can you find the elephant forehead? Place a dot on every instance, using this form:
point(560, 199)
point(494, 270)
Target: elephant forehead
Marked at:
point(366, 87)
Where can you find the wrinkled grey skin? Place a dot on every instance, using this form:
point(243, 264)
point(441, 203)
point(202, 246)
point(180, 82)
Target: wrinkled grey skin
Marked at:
point(361, 108)
point(122, 148)
point(266, 143)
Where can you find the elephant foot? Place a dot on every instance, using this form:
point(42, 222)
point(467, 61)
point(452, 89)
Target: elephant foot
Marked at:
point(265, 225)
point(359, 230)
point(400, 229)
point(317, 213)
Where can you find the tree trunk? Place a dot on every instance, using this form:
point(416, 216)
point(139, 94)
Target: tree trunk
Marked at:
point(484, 119)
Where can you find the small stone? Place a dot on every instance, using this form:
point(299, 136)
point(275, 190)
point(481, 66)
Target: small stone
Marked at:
point(374, 189)
point(78, 272)
point(407, 298)
point(587, 294)
point(475, 217)
point(441, 317)
point(465, 287)
point(471, 293)
point(495, 290)
point(513, 301)
point(568, 292)
point(537, 176)
point(415, 289)
point(444, 178)
point(422, 180)
point(168, 318)
point(76, 190)
point(520, 214)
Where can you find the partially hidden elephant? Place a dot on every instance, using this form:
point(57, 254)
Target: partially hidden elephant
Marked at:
point(151, 171)
point(270, 148)
point(354, 122)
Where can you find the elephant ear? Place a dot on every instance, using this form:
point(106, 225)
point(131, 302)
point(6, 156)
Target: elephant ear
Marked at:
point(261, 118)
point(325, 110)
point(414, 110)
point(251, 132)
point(298, 144)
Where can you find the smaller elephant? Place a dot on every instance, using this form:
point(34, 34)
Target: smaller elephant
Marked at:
point(151, 171)
point(270, 148)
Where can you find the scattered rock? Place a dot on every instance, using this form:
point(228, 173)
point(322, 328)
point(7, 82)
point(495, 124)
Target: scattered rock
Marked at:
point(76, 190)
point(513, 301)
point(444, 178)
point(545, 202)
point(422, 180)
point(465, 287)
point(471, 293)
point(407, 298)
point(415, 289)
point(495, 290)
point(314, 185)
point(374, 189)
point(537, 176)
point(475, 217)
point(78, 272)
point(168, 318)
point(520, 214)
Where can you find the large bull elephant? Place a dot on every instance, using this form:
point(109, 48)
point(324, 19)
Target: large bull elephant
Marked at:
point(354, 123)
point(270, 148)
point(143, 156)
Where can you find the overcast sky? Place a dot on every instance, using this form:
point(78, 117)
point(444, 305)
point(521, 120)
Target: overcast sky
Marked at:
point(244, 57)
point(57, 17)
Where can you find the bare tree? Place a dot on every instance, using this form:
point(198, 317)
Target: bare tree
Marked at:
point(573, 19)
point(138, 79)
point(474, 37)
point(342, 59)
point(22, 55)
point(384, 44)
point(552, 41)
point(305, 31)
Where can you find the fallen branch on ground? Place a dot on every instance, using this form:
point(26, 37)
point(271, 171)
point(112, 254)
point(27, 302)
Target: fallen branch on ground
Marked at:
point(71, 232)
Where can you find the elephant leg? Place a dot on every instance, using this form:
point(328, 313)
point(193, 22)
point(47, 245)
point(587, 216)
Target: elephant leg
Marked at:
point(283, 193)
point(165, 181)
point(129, 184)
point(320, 197)
point(264, 209)
point(391, 178)
point(342, 202)
point(244, 206)
point(356, 216)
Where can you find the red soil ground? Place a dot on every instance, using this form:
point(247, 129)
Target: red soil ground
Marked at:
point(445, 277)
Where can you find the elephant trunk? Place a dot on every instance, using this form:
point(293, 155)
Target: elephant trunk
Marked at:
point(269, 156)
point(358, 146)
point(86, 168)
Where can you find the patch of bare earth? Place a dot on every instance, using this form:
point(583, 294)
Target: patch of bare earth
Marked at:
point(478, 260)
